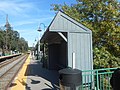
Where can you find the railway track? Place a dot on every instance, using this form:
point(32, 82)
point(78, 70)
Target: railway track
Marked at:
point(9, 69)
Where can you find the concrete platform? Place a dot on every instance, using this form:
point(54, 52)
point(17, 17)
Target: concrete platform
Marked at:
point(35, 77)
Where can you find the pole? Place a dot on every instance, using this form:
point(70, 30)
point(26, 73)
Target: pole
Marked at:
point(39, 48)
point(39, 29)
point(73, 60)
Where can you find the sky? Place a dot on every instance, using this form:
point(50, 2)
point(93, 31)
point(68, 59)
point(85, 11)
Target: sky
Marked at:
point(25, 16)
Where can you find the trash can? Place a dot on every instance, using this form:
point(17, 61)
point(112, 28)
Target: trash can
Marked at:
point(70, 79)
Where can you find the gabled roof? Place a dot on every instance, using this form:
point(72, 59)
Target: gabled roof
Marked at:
point(64, 23)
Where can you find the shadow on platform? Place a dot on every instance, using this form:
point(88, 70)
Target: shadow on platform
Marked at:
point(35, 69)
point(24, 84)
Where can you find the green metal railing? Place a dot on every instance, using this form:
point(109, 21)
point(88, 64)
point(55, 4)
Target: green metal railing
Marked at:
point(98, 79)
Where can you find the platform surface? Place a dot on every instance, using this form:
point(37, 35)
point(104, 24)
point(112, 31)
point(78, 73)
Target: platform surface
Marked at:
point(33, 76)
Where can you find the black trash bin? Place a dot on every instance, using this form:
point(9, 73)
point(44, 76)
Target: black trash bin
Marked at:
point(70, 79)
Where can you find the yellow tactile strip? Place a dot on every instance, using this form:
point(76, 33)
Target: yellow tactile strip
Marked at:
point(20, 80)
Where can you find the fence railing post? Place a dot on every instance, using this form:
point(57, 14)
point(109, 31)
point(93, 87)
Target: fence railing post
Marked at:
point(97, 79)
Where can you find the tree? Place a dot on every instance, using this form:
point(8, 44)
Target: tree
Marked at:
point(22, 45)
point(2, 39)
point(103, 18)
point(15, 38)
point(14, 42)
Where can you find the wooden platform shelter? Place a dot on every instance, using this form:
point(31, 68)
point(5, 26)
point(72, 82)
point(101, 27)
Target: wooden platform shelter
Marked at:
point(69, 44)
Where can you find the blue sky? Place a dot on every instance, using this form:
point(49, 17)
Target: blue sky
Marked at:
point(26, 15)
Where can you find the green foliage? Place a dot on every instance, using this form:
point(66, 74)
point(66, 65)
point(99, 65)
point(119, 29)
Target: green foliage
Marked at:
point(12, 40)
point(2, 39)
point(22, 45)
point(103, 18)
point(104, 59)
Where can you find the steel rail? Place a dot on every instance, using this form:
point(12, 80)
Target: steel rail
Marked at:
point(9, 69)
point(3, 63)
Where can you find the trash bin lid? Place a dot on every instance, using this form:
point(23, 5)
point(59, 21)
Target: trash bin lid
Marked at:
point(69, 76)
point(70, 71)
